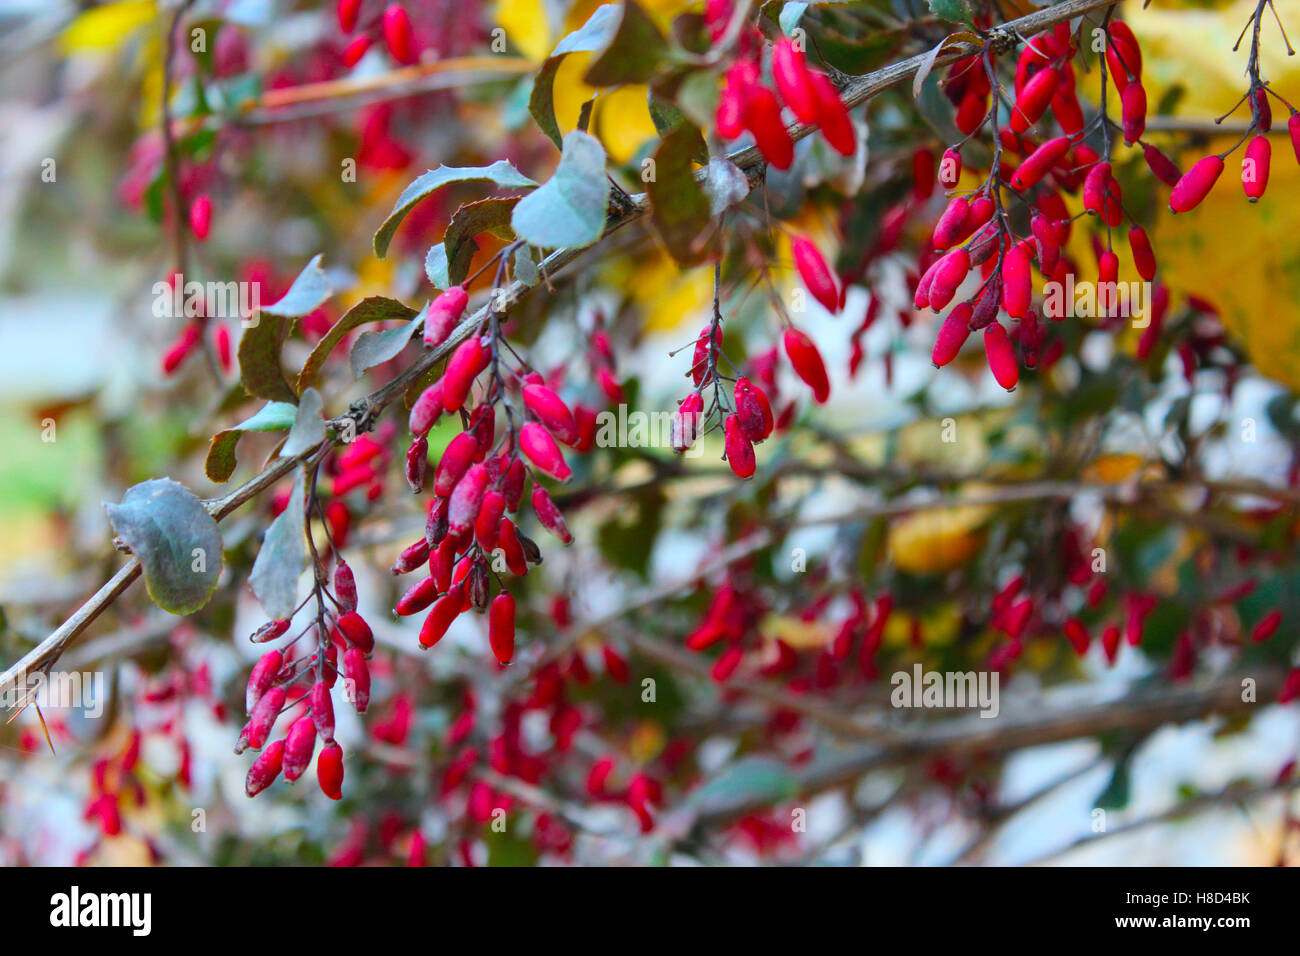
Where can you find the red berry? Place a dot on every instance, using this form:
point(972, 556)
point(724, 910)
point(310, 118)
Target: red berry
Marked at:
point(329, 770)
point(397, 33)
point(1196, 184)
point(807, 363)
point(501, 627)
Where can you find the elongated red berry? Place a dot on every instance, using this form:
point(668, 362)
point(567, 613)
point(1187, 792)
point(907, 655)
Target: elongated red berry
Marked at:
point(948, 230)
point(952, 335)
point(501, 627)
point(1293, 128)
point(763, 119)
point(739, 449)
point(417, 463)
point(265, 712)
point(1196, 184)
point(329, 771)
point(466, 499)
point(793, 81)
point(322, 710)
point(445, 610)
point(551, 412)
point(540, 448)
point(1077, 635)
point(1266, 627)
point(1161, 165)
point(264, 769)
point(950, 168)
point(269, 631)
point(1144, 259)
point(487, 527)
point(261, 677)
point(201, 216)
point(444, 312)
point(807, 363)
point(1017, 280)
point(948, 277)
point(549, 515)
point(1123, 55)
point(753, 410)
point(1095, 186)
point(1133, 105)
point(357, 679)
point(815, 273)
point(456, 459)
point(397, 33)
point(1255, 167)
point(833, 116)
point(427, 409)
point(345, 586)
point(470, 358)
point(1039, 162)
point(686, 421)
point(357, 48)
point(299, 745)
point(417, 597)
point(348, 11)
point(354, 627)
point(1001, 355)
point(1033, 100)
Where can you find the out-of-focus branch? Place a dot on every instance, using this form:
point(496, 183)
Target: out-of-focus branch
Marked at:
point(1234, 794)
point(1052, 723)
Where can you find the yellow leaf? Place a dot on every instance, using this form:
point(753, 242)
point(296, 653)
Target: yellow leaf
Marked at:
point(625, 123)
point(796, 632)
point(1113, 468)
point(938, 539)
point(669, 294)
point(104, 28)
point(1241, 257)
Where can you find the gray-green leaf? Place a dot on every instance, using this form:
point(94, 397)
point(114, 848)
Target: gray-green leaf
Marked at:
point(279, 563)
point(500, 173)
point(176, 540)
point(569, 209)
point(308, 429)
point(307, 294)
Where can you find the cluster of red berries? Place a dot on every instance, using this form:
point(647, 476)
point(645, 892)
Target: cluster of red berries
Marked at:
point(279, 683)
point(395, 25)
point(746, 105)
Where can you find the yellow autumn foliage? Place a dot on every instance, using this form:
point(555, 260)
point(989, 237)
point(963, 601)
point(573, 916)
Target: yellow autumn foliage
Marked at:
point(1240, 256)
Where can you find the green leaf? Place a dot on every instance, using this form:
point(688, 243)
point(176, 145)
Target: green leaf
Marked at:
point(308, 429)
point(487, 215)
point(259, 359)
point(956, 11)
point(373, 348)
point(280, 561)
point(375, 308)
point(634, 52)
point(667, 116)
point(679, 209)
point(176, 540)
point(569, 210)
point(750, 780)
point(307, 294)
point(220, 463)
point(501, 173)
point(593, 35)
